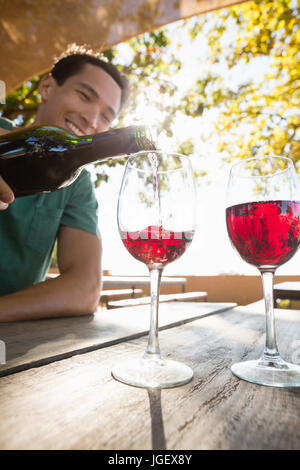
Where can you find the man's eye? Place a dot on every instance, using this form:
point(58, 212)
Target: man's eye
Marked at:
point(106, 118)
point(84, 95)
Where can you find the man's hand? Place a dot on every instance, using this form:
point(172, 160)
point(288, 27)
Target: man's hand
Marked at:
point(6, 195)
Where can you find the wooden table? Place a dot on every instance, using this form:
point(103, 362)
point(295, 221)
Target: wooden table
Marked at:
point(132, 282)
point(141, 281)
point(57, 391)
point(135, 281)
point(286, 290)
point(38, 342)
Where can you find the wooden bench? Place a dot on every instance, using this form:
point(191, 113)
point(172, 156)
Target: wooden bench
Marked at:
point(119, 294)
point(181, 297)
point(286, 290)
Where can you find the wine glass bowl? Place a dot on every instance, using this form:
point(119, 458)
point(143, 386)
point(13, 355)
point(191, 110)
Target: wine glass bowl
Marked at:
point(156, 220)
point(263, 224)
point(156, 246)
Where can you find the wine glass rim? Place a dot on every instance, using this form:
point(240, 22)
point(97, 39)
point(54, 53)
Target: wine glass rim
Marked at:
point(177, 154)
point(288, 160)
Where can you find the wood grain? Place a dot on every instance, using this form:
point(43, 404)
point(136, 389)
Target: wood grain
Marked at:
point(76, 404)
point(37, 342)
point(177, 297)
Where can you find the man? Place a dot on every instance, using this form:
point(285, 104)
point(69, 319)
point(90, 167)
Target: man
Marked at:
point(83, 95)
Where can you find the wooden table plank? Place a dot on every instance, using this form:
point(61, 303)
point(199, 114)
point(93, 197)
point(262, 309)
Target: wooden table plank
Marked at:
point(288, 287)
point(75, 404)
point(141, 281)
point(37, 342)
point(135, 281)
point(286, 290)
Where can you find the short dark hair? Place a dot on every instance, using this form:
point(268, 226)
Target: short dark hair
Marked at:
point(76, 57)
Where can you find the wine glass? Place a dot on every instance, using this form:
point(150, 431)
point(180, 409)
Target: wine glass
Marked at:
point(263, 223)
point(156, 220)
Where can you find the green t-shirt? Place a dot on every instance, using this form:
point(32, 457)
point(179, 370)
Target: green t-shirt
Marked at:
point(29, 226)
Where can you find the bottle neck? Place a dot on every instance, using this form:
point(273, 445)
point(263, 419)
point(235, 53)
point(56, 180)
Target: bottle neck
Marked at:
point(117, 142)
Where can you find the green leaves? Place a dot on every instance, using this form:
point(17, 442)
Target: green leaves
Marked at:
point(22, 103)
point(261, 118)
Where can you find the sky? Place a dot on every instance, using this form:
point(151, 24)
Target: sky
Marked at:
point(210, 252)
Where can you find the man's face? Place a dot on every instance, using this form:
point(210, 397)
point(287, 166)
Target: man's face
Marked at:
point(86, 103)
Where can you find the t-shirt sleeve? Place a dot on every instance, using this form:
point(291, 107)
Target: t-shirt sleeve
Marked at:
point(81, 210)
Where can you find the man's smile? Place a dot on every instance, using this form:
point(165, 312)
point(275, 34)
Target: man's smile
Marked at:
point(73, 128)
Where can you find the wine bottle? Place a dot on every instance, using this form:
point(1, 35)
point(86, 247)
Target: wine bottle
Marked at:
point(46, 158)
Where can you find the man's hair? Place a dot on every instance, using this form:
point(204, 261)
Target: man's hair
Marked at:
point(76, 57)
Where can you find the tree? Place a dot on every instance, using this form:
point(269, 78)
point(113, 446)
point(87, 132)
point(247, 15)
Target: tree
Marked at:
point(257, 118)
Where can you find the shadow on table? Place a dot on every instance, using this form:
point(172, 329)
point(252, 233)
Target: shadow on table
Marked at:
point(157, 424)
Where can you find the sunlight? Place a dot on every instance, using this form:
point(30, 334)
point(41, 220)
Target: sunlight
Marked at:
point(148, 115)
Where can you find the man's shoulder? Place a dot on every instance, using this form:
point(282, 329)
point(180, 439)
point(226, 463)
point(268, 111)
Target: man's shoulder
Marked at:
point(6, 125)
point(83, 180)
point(4, 131)
point(10, 128)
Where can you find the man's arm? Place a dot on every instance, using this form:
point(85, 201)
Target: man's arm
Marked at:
point(76, 291)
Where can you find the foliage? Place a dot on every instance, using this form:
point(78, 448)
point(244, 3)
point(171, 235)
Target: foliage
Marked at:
point(257, 118)
point(21, 104)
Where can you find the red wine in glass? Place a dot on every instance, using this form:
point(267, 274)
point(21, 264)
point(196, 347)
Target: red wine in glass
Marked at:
point(265, 233)
point(156, 246)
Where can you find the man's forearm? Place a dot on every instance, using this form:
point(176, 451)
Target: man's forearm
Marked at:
point(65, 295)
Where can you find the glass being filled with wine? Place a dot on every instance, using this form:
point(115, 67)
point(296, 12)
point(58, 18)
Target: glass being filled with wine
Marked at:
point(156, 220)
point(263, 223)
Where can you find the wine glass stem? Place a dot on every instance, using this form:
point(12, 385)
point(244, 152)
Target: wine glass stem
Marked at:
point(153, 344)
point(270, 350)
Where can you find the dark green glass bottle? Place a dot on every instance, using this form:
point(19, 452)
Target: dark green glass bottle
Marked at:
point(46, 158)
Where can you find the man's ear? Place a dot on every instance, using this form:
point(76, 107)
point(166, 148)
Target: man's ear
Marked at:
point(45, 87)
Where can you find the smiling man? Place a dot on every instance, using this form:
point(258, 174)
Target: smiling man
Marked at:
point(82, 94)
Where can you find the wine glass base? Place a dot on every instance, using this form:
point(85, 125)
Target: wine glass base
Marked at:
point(152, 373)
point(283, 374)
